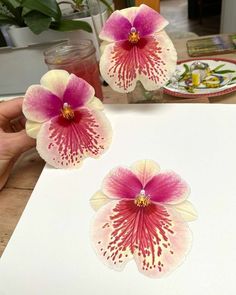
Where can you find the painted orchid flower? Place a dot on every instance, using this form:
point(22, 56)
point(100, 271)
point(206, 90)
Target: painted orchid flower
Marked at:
point(66, 119)
point(142, 215)
point(136, 48)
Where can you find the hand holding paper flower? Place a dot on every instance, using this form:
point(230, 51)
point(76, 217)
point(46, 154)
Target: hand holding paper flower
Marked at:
point(143, 217)
point(66, 119)
point(136, 48)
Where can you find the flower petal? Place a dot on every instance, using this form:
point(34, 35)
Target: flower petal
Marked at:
point(55, 81)
point(152, 61)
point(65, 143)
point(145, 170)
point(186, 210)
point(95, 104)
point(98, 200)
point(40, 104)
point(168, 188)
point(116, 28)
point(32, 128)
point(78, 92)
point(148, 21)
point(154, 76)
point(102, 232)
point(121, 183)
point(167, 240)
point(155, 236)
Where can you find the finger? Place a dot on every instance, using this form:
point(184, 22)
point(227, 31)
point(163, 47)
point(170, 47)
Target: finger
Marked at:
point(11, 109)
point(17, 124)
point(22, 142)
point(5, 169)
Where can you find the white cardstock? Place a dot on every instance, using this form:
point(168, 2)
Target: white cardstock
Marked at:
point(50, 252)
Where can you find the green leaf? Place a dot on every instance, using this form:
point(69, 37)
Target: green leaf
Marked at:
point(233, 79)
point(37, 22)
point(224, 72)
point(217, 68)
point(108, 6)
point(71, 25)
point(25, 11)
point(186, 68)
point(47, 7)
point(6, 20)
point(15, 9)
point(11, 4)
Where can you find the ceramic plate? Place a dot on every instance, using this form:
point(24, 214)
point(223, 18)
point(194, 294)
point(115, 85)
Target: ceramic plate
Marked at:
point(217, 78)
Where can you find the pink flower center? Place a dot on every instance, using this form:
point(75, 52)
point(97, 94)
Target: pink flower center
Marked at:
point(133, 36)
point(142, 200)
point(67, 112)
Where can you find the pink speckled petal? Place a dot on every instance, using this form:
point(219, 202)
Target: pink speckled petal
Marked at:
point(145, 170)
point(55, 81)
point(152, 61)
point(40, 104)
point(166, 240)
point(155, 236)
point(102, 232)
point(116, 28)
point(78, 92)
point(64, 144)
point(121, 183)
point(148, 21)
point(167, 187)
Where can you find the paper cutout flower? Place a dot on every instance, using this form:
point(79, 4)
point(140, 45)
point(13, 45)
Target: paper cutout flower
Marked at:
point(66, 119)
point(142, 216)
point(136, 48)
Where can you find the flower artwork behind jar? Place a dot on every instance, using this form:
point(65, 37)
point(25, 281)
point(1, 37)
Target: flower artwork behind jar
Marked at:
point(137, 53)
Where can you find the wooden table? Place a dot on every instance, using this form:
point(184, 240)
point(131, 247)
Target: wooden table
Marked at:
point(15, 195)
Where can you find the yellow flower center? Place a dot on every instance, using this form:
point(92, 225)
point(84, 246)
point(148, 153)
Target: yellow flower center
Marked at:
point(67, 111)
point(133, 36)
point(141, 200)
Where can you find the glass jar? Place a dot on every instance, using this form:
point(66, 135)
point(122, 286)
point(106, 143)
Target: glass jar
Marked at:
point(141, 95)
point(77, 57)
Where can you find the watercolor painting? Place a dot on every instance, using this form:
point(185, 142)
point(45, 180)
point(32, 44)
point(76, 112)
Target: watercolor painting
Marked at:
point(135, 48)
point(142, 214)
point(66, 119)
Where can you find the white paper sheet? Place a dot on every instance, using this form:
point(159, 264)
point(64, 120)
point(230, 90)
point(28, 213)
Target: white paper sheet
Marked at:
point(50, 251)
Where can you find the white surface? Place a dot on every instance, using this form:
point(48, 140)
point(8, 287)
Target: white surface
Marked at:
point(228, 16)
point(50, 251)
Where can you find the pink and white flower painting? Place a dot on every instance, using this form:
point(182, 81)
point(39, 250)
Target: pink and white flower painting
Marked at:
point(136, 48)
point(142, 214)
point(66, 120)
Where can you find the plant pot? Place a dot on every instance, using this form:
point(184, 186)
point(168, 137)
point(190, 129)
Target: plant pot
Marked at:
point(23, 37)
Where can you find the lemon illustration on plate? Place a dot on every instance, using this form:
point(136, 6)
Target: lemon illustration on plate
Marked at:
point(213, 81)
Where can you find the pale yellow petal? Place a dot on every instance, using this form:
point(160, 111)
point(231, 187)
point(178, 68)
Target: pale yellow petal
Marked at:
point(95, 104)
point(102, 46)
point(98, 200)
point(32, 128)
point(55, 81)
point(145, 170)
point(187, 211)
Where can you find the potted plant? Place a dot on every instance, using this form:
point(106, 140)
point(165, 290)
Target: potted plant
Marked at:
point(33, 21)
point(94, 12)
